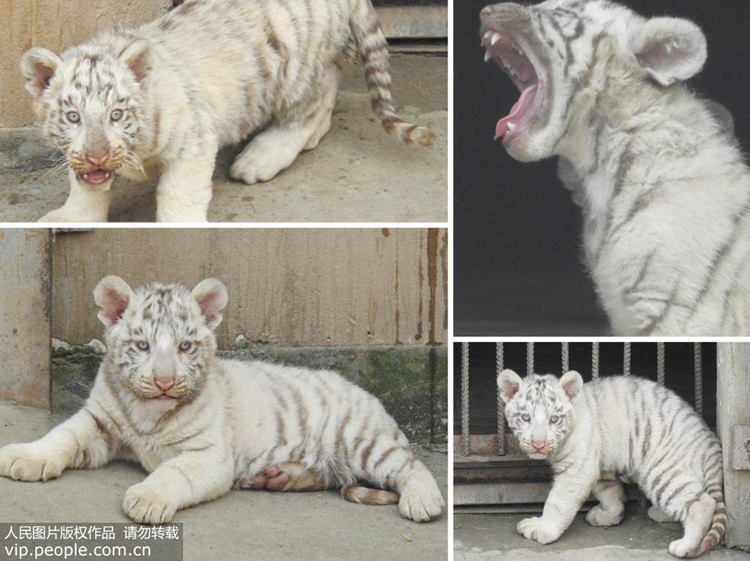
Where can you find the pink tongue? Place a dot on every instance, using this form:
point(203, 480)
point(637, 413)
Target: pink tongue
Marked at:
point(525, 101)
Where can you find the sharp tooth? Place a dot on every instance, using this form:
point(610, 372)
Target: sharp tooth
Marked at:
point(487, 56)
point(86, 176)
point(495, 38)
point(511, 127)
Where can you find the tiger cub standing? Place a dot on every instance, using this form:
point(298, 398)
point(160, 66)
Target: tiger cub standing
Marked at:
point(162, 99)
point(614, 430)
point(200, 424)
point(663, 184)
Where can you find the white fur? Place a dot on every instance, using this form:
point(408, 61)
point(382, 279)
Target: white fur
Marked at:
point(664, 188)
point(200, 424)
point(614, 430)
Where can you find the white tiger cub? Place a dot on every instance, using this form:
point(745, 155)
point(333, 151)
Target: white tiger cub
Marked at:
point(162, 99)
point(663, 185)
point(614, 430)
point(201, 425)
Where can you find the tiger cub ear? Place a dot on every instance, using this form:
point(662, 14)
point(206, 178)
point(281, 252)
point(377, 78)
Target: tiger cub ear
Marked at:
point(508, 382)
point(211, 295)
point(38, 67)
point(112, 295)
point(669, 49)
point(571, 383)
point(136, 56)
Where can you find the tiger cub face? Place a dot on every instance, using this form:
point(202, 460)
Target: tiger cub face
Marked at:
point(564, 56)
point(538, 409)
point(160, 337)
point(89, 101)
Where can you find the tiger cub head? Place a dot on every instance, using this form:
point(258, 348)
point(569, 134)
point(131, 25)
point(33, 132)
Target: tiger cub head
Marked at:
point(538, 409)
point(160, 337)
point(565, 56)
point(90, 102)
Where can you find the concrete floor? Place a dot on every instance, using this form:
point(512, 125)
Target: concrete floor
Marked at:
point(357, 174)
point(493, 537)
point(257, 525)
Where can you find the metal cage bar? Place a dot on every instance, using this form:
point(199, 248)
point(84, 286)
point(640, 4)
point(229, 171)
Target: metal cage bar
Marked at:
point(698, 364)
point(529, 358)
point(626, 359)
point(465, 399)
point(660, 364)
point(594, 360)
point(499, 367)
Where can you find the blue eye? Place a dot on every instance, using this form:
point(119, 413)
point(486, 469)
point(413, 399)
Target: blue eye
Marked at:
point(116, 115)
point(73, 117)
point(185, 346)
point(142, 345)
point(554, 419)
point(526, 417)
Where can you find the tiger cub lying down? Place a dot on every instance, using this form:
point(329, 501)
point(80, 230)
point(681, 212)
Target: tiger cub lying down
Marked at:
point(202, 425)
point(611, 431)
point(162, 99)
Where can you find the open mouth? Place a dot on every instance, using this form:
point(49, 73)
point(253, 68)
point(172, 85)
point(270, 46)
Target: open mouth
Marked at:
point(518, 66)
point(96, 177)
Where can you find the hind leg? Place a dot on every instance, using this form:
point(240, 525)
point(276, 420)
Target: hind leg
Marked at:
point(696, 519)
point(288, 476)
point(611, 507)
point(391, 464)
point(274, 149)
point(328, 100)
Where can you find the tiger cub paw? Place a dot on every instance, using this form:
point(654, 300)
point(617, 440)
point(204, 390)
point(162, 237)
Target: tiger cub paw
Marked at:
point(272, 479)
point(597, 516)
point(683, 548)
point(421, 503)
point(23, 462)
point(536, 529)
point(146, 505)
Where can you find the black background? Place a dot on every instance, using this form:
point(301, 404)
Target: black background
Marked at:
point(517, 232)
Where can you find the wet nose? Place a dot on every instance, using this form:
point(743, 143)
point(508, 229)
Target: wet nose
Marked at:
point(164, 385)
point(98, 159)
point(538, 445)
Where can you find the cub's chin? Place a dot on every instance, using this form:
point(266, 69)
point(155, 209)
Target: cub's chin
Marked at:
point(537, 456)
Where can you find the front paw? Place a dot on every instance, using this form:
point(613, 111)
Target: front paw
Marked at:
point(146, 505)
point(23, 462)
point(421, 507)
point(421, 501)
point(536, 529)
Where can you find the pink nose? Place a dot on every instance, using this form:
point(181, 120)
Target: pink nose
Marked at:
point(98, 159)
point(538, 445)
point(164, 385)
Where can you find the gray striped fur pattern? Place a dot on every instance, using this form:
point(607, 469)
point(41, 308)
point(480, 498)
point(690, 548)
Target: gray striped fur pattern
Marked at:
point(614, 430)
point(201, 425)
point(162, 99)
point(664, 187)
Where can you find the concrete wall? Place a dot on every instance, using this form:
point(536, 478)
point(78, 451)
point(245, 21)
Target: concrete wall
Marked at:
point(24, 316)
point(291, 287)
point(733, 420)
point(55, 25)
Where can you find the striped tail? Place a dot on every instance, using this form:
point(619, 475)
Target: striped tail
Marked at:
point(719, 521)
point(356, 493)
point(373, 51)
